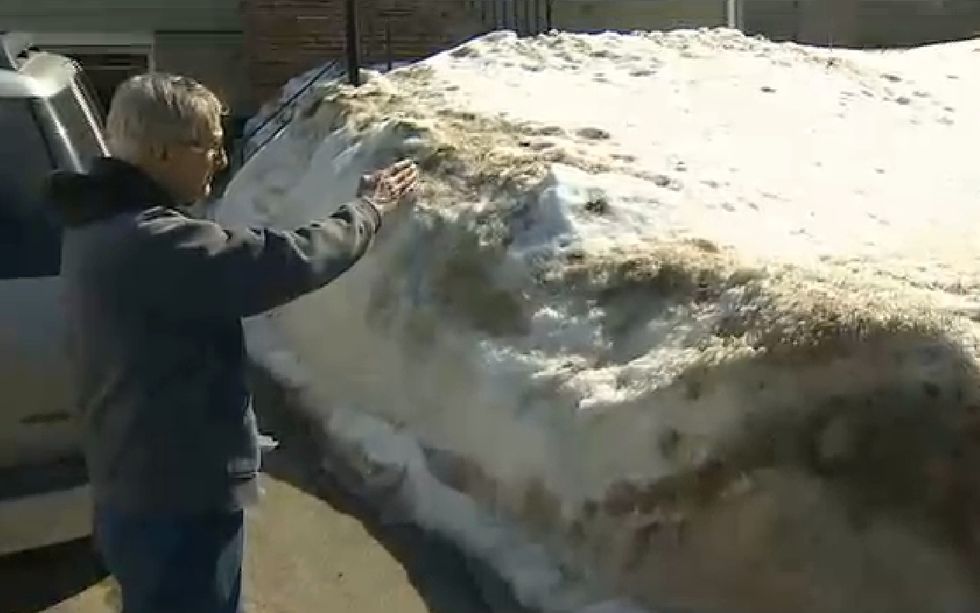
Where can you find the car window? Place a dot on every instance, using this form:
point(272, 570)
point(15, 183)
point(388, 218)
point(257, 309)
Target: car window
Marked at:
point(30, 238)
point(77, 121)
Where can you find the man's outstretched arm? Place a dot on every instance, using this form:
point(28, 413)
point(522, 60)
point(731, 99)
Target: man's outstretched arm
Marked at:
point(198, 269)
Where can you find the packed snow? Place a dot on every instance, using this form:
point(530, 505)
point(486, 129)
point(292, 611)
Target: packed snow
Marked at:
point(276, 114)
point(680, 321)
point(296, 94)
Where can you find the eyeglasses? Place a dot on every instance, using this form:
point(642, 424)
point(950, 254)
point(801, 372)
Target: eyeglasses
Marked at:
point(213, 151)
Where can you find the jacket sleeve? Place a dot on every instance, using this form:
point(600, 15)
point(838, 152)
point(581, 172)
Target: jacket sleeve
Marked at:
point(197, 269)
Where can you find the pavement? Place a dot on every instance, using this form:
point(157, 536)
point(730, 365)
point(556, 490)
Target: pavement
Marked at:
point(303, 555)
point(311, 547)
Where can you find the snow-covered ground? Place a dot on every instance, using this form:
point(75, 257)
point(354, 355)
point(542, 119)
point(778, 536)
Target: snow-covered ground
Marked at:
point(679, 320)
point(294, 96)
point(277, 114)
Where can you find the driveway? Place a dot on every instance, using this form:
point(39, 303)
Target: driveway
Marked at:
point(303, 556)
point(311, 548)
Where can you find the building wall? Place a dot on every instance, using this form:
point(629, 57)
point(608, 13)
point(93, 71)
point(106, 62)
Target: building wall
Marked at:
point(417, 28)
point(285, 38)
point(831, 22)
point(217, 59)
point(119, 15)
point(905, 22)
point(200, 38)
point(775, 19)
point(864, 23)
point(598, 15)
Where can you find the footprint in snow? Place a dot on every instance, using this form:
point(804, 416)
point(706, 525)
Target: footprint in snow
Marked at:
point(593, 134)
point(549, 131)
point(668, 182)
point(538, 145)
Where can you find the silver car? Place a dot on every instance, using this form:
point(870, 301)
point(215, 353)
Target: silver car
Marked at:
point(48, 120)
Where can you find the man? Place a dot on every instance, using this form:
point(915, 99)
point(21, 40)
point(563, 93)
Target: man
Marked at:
point(155, 298)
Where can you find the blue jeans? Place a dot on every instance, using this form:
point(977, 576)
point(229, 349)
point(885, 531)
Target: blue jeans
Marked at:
point(174, 564)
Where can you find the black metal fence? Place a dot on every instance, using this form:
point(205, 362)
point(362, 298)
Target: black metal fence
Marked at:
point(526, 17)
point(877, 23)
point(382, 35)
point(256, 136)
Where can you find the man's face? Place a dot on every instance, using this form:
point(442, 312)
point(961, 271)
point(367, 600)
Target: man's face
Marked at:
point(190, 167)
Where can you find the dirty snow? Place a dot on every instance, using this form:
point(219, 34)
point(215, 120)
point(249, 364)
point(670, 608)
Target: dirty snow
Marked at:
point(277, 114)
point(686, 314)
point(296, 94)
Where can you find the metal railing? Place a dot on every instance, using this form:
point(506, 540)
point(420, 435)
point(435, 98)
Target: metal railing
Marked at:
point(531, 17)
point(526, 17)
point(245, 149)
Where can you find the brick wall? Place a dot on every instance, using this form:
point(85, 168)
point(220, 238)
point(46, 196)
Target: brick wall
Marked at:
point(285, 38)
point(214, 58)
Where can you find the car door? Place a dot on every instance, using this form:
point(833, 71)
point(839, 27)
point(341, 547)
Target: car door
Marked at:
point(36, 420)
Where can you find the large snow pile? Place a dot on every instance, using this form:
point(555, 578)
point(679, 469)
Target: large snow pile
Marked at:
point(298, 93)
point(686, 316)
point(276, 114)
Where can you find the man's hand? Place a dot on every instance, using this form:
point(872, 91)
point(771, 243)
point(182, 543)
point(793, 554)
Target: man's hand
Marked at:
point(390, 187)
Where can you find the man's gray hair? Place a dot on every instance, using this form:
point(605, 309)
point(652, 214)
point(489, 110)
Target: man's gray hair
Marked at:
point(158, 111)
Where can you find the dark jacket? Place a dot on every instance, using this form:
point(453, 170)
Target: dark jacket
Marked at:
point(154, 303)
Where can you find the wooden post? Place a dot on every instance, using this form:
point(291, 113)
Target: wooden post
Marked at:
point(353, 48)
